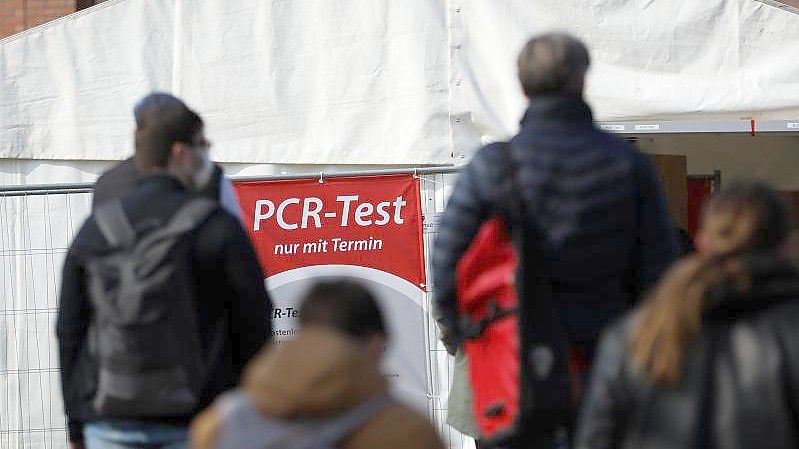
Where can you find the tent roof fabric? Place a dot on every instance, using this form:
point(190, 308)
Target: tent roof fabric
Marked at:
point(381, 82)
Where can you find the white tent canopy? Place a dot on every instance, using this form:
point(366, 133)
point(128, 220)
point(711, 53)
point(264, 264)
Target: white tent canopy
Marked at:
point(382, 82)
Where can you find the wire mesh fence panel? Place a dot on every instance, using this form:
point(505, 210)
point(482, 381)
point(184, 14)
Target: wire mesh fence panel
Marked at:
point(435, 189)
point(35, 232)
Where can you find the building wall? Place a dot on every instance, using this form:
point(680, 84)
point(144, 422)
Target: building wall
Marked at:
point(19, 15)
point(794, 3)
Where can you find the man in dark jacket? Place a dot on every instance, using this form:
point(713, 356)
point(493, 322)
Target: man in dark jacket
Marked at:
point(232, 305)
point(210, 181)
point(596, 200)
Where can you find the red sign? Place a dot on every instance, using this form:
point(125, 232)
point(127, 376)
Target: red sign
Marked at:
point(372, 221)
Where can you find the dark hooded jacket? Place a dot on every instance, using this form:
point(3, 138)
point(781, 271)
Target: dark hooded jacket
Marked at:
point(233, 307)
point(596, 200)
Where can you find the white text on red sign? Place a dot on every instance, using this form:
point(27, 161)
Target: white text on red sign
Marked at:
point(348, 209)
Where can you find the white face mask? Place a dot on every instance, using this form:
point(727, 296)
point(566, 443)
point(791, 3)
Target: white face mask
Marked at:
point(202, 175)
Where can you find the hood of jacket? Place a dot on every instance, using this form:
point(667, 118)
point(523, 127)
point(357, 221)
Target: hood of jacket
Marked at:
point(770, 280)
point(321, 372)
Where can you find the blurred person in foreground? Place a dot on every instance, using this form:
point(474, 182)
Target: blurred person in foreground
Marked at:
point(711, 359)
point(323, 389)
point(595, 199)
point(162, 301)
point(209, 180)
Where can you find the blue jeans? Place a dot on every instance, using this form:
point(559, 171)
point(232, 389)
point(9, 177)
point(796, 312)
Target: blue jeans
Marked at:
point(134, 435)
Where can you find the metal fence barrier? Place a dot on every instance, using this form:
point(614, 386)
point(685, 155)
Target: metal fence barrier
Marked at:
point(36, 227)
point(37, 224)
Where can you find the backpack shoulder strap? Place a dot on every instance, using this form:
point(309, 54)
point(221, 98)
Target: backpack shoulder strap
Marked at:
point(114, 224)
point(192, 213)
point(543, 338)
point(342, 426)
point(186, 219)
point(633, 274)
point(512, 200)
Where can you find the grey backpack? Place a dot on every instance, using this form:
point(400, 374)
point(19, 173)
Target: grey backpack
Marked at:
point(144, 329)
point(243, 427)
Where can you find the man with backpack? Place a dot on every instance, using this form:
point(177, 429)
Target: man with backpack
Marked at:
point(162, 302)
point(322, 390)
point(590, 212)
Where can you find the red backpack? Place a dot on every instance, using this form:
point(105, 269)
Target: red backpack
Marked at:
point(520, 397)
point(486, 292)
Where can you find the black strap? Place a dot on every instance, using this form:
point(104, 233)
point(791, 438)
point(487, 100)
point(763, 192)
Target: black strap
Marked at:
point(546, 403)
point(114, 224)
point(472, 329)
point(633, 276)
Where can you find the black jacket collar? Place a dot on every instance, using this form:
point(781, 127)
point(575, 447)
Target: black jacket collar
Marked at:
point(773, 280)
point(557, 109)
point(161, 182)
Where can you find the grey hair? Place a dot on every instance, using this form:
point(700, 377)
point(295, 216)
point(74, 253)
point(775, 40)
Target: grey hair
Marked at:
point(553, 63)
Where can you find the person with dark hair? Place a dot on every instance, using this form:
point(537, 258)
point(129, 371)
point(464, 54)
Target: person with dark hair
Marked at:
point(345, 306)
point(711, 359)
point(209, 181)
point(163, 300)
point(593, 202)
point(323, 389)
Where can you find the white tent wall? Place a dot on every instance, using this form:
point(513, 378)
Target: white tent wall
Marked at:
point(306, 81)
point(716, 60)
point(67, 87)
point(378, 81)
point(33, 172)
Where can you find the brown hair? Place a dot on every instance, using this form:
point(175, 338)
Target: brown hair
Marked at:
point(746, 218)
point(161, 120)
point(345, 306)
